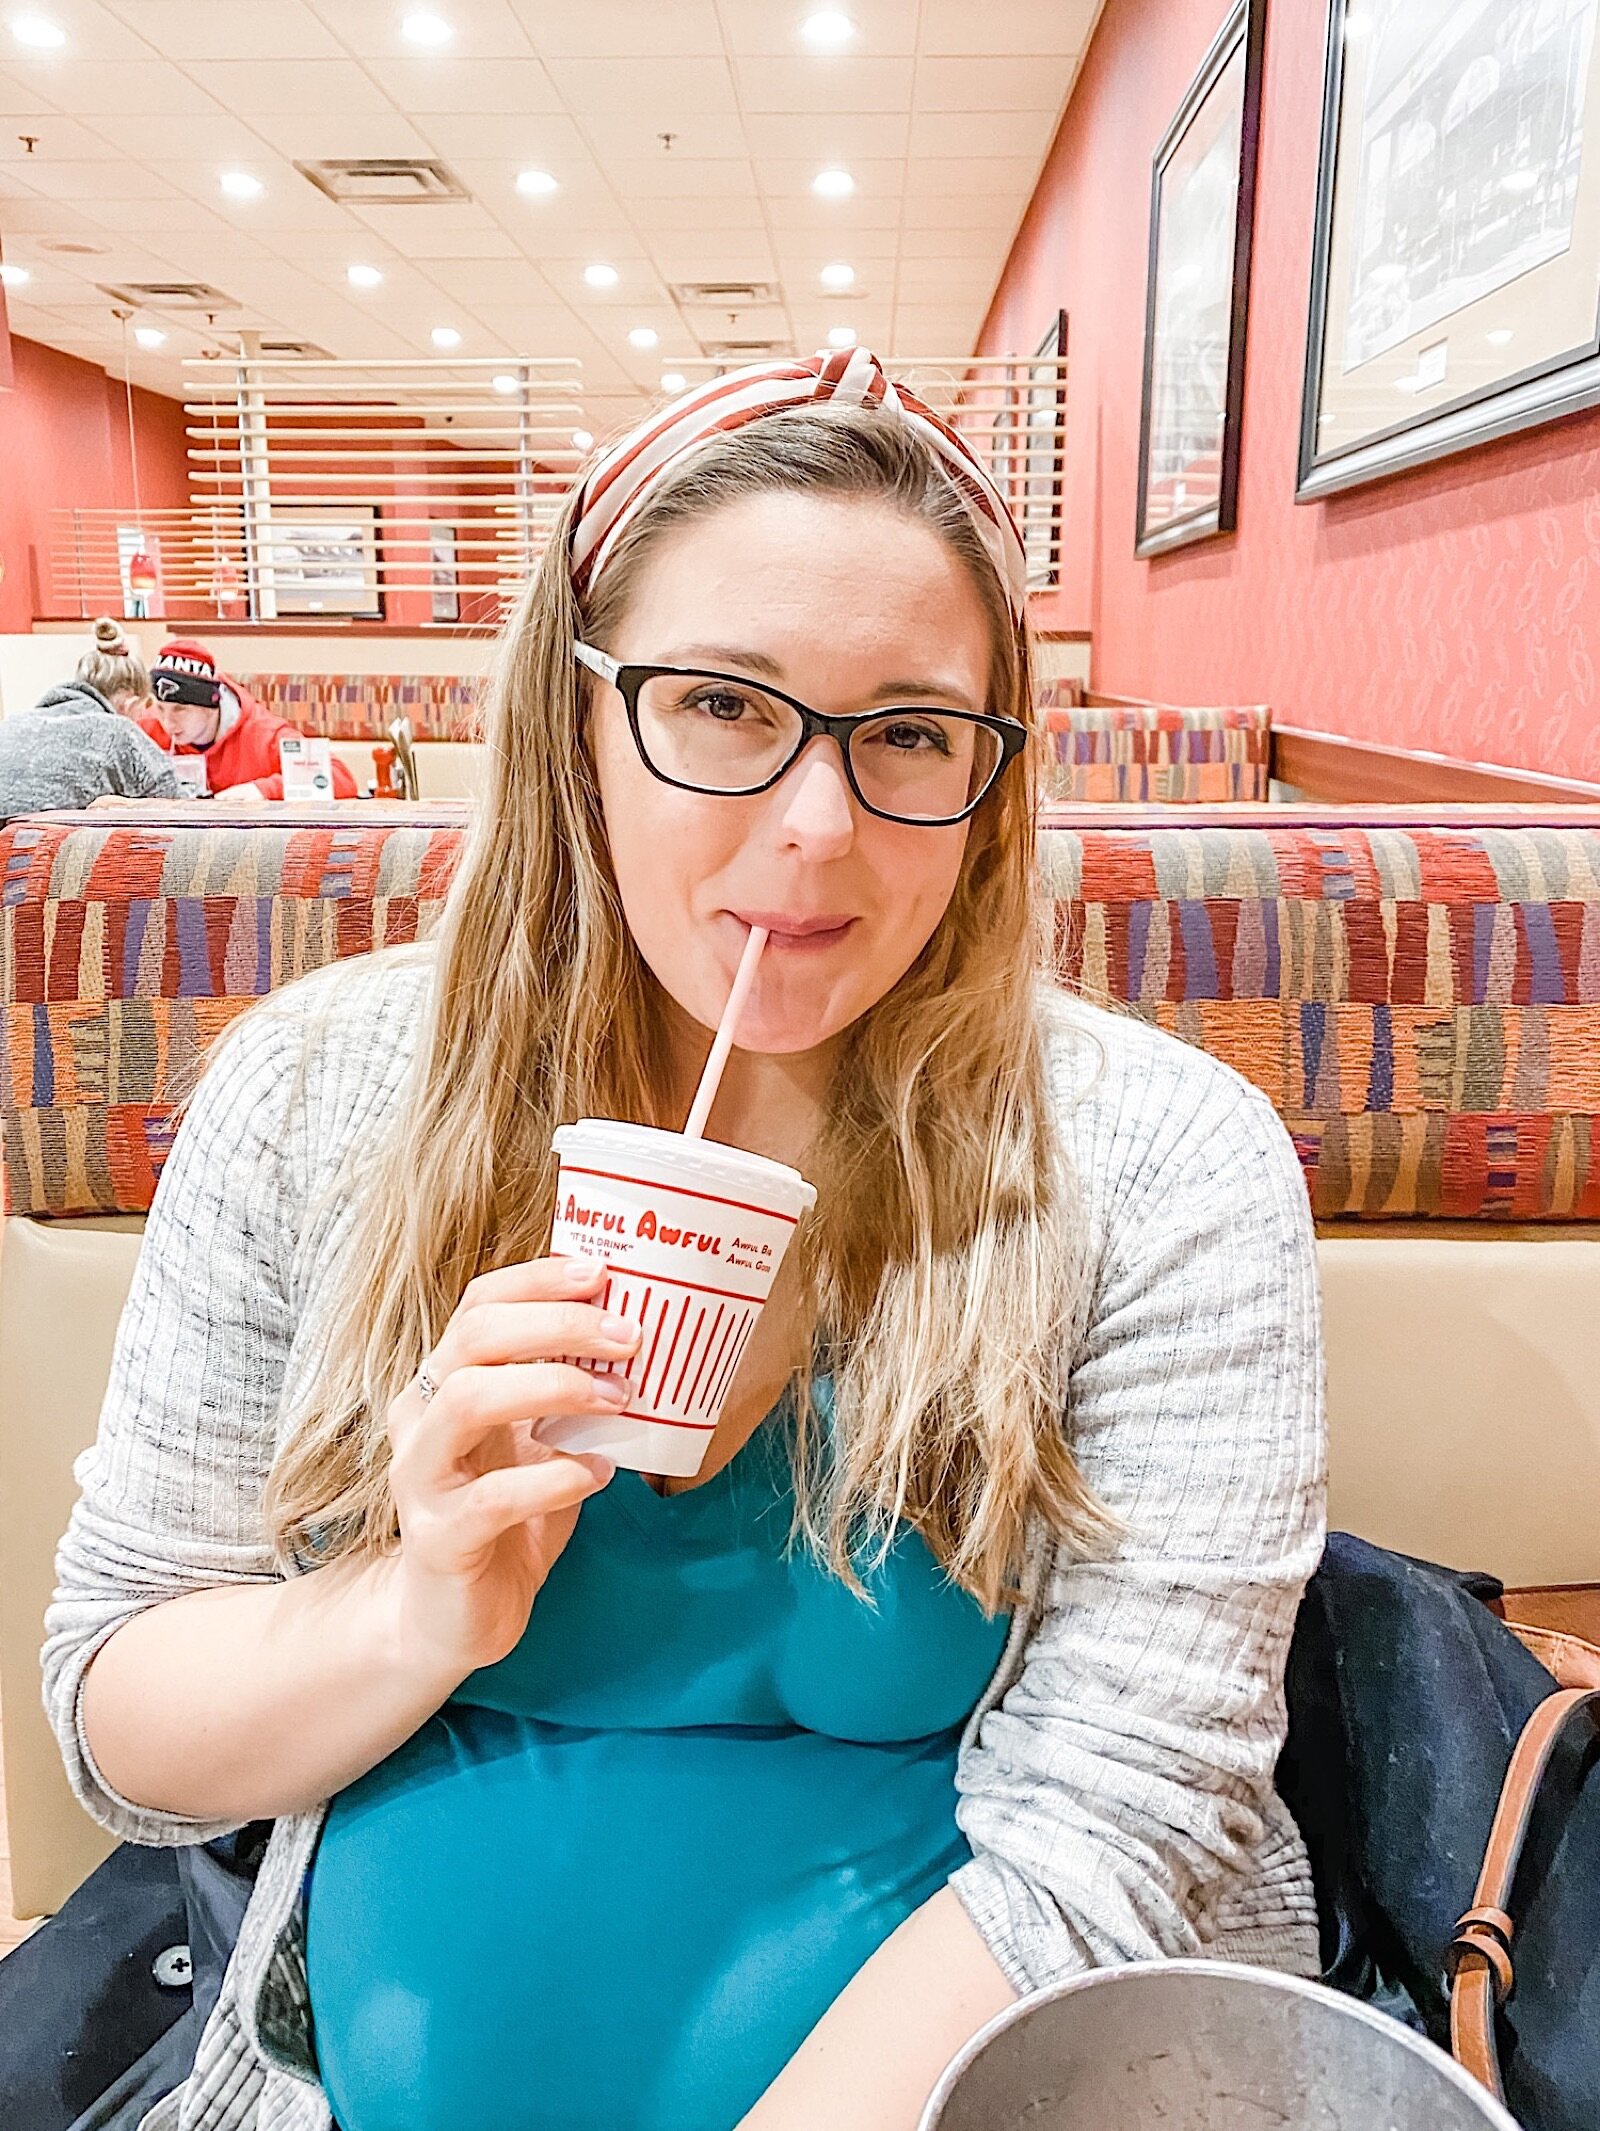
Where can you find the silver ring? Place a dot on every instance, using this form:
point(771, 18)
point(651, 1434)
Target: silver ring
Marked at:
point(426, 1384)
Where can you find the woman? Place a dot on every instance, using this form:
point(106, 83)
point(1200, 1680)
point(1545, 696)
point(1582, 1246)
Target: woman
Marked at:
point(79, 743)
point(645, 1817)
point(204, 717)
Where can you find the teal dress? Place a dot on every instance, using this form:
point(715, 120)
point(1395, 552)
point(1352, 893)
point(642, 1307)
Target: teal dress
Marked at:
point(617, 1879)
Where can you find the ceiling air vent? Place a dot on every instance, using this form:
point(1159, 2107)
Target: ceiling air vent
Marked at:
point(745, 351)
point(385, 181)
point(727, 295)
point(300, 350)
point(169, 295)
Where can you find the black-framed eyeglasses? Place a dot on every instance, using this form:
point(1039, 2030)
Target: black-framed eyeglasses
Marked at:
point(724, 733)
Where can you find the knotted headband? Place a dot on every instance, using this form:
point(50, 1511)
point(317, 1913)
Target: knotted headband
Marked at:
point(618, 484)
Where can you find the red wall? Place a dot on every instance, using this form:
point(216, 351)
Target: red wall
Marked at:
point(1456, 608)
point(64, 442)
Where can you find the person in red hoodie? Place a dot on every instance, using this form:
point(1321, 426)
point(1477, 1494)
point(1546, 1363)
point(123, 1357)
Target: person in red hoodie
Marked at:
point(201, 712)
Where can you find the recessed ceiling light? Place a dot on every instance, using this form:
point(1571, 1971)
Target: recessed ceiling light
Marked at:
point(674, 381)
point(644, 337)
point(505, 382)
point(537, 184)
point(14, 277)
point(838, 275)
point(445, 337)
point(38, 31)
point(149, 336)
point(841, 336)
point(1499, 337)
point(828, 30)
point(240, 185)
point(600, 275)
point(833, 184)
point(583, 440)
point(362, 277)
point(423, 28)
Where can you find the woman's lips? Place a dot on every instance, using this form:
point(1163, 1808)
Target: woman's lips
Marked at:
point(797, 935)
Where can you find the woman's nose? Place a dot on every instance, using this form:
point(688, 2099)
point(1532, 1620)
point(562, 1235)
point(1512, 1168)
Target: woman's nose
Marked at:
point(817, 809)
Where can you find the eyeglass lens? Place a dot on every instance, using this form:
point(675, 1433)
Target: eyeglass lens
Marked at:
point(730, 736)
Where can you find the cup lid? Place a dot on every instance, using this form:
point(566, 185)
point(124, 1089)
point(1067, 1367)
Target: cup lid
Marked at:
point(731, 1169)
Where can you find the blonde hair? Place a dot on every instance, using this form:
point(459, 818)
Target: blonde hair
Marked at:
point(940, 1268)
point(114, 666)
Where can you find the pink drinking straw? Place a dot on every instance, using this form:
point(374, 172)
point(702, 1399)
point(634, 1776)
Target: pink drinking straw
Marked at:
point(727, 1028)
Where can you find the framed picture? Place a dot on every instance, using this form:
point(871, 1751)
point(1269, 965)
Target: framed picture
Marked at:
point(1197, 296)
point(1455, 292)
point(1038, 506)
point(443, 581)
point(325, 559)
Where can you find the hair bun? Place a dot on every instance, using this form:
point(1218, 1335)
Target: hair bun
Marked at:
point(108, 637)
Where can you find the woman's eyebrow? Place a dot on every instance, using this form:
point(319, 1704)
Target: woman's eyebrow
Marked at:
point(768, 669)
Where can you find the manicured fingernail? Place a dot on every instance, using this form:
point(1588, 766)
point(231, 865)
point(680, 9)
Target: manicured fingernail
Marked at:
point(619, 1331)
point(603, 1470)
point(613, 1389)
point(583, 1272)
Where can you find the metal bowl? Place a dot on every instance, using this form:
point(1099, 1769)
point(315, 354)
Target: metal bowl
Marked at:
point(1203, 2046)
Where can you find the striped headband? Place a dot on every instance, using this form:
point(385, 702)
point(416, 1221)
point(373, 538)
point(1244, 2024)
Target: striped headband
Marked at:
point(616, 487)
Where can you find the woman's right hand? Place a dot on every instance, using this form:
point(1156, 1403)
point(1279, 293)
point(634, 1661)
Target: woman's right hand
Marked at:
point(484, 1507)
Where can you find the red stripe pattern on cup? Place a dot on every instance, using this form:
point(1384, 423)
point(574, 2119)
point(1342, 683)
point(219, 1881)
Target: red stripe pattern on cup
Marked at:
point(687, 1354)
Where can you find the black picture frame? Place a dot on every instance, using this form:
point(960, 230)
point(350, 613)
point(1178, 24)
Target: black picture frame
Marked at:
point(1240, 43)
point(1045, 418)
point(1519, 394)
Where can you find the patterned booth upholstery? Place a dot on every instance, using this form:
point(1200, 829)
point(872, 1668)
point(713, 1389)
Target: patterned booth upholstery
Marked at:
point(1106, 750)
point(1421, 1002)
point(362, 706)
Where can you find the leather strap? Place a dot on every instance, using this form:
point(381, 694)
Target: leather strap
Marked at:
point(1480, 1956)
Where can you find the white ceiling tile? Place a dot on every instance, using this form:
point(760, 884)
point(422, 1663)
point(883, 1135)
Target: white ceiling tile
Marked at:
point(881, 179)
point(849, 137)
point(805, 254)
point(25, 99)
point(479, 281)
point(713, 258)
point(283, 88)
point(963, 28)
point(99, 181)
point(517, 88)
point(884, 28)
point(633, 136)
point(478, 246)
point(973, 252)
point(833, 224)
point(217, 136)
point(1007, 177)
point(93, 32)
point(648, 85)
point(315, 136)
point(1037, 83)
point(734, 213)
point(982, 133)
point(824, 86)
point(549, 141)
point(483, 29)
point(668, 178)
point(538, 328)
point(962, 211)
point(586, 29)
point(231, 29)
point(57, 139)
point(150, 86)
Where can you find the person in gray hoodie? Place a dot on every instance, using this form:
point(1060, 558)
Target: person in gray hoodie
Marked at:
point(78, 743)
